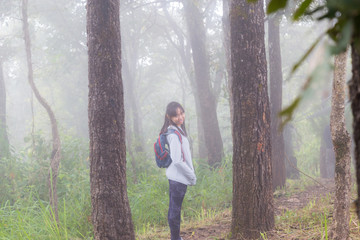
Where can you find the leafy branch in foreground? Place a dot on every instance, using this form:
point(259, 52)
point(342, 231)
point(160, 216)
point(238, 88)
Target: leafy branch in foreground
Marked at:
point(346, 30)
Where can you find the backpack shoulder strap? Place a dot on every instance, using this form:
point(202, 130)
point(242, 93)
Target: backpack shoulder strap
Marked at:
point(170, 131)
point(179, 135)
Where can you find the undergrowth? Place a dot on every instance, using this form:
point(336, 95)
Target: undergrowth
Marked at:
point(149, 199)
point(25, 211)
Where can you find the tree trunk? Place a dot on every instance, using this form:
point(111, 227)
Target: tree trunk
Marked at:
point(129, 135)
point(56, 152)
point(129, 142)
point(291, 161)
point(253, 210)
point(327, 155)
point(341, 142)
point(276, 80)
point(130, 72)
point(207, 104)
point(226, 30)
point(355, 106)
point(4, 141)
point(185, 54)
point(111, 214)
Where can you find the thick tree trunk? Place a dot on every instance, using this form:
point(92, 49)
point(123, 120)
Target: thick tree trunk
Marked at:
point(355, 106)
point(207, 103)
point(111, 214)
point(56, 152)
point(276, 80)
point(342, 144)
point(253, 210)
point(4, 141)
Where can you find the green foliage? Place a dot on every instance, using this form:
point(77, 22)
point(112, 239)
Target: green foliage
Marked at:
point(30, 218)
point(288, 111)
point(341, 33)
point(149, 197)
point(302, 9)
point(310, 222)
point(24, 211)
point(346, 30)
point(275, 5)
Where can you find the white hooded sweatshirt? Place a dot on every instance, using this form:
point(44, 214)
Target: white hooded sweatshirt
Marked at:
point(181, 169)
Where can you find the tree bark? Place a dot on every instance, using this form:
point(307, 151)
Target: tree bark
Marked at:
point(342, 143)
point(111, 214)
point(56, 152)
point(253, 210)
point(276, 80)
point(207, 104)
point(4, 140)
point(355, 106)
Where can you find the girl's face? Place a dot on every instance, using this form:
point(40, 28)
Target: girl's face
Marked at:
point(179, 118)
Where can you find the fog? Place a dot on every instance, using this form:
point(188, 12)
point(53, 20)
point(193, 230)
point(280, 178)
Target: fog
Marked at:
point(153, 36)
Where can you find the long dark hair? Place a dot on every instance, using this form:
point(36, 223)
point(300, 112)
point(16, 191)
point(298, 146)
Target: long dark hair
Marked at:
point(171, 112)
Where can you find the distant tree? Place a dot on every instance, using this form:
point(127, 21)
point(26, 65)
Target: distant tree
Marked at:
point(184, 51)
point(6, 50)
point(290, 159)
point(131, 70)
point(355, 105)
point(56, 151)
point(345, 33)
point(207, 101)
point(276, 83)
point(226, 39)
point(342, 145)
point(111, 214)
point(4, 141)
point(252, 210)
point(327, 155)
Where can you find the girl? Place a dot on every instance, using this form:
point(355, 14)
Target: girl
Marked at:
point(181, 171)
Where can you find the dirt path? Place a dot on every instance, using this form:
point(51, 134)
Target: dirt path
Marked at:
point(219, 227)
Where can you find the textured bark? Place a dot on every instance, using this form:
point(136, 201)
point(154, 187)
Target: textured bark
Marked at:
point(342, 144)
point(56, 151)
point(276, 80)
point(111, 214)
point(253, 210)
point(355, 106)
point(208, 114)
point(4, 141)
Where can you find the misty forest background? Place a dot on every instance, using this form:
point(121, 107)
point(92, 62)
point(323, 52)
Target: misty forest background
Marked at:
point(156, 68)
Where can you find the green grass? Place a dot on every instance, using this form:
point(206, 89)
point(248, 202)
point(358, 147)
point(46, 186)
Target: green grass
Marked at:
point(149, 197)
point(25, 211)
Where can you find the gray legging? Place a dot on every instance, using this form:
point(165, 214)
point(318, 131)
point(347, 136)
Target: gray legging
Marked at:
point(176, 196)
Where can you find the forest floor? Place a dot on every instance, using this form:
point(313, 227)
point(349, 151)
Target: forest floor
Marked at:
point(302, 214)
